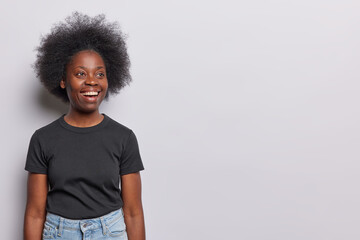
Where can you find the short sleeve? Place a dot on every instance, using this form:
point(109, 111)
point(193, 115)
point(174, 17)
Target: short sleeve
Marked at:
point(35, 159)
point(130, 160)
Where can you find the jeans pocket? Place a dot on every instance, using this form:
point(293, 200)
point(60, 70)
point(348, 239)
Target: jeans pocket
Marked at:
point(49, 231)
point(117, 228)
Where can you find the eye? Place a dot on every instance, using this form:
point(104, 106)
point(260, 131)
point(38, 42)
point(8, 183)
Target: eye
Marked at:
point(80, 74)
point(101, 74)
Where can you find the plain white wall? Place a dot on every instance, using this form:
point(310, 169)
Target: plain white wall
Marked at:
point(246, 112)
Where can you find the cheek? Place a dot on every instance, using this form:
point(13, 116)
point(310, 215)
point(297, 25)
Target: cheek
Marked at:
point(74, 86)
point(72, 90)
point(105, 85)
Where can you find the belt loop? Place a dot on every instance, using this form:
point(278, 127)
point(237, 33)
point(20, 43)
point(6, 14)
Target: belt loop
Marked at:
point(60, 226)
point(103, 225)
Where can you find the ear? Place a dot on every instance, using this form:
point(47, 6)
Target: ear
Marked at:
point(62, 84)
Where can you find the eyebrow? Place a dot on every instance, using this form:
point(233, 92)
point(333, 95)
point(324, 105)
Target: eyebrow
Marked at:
point(98, 67)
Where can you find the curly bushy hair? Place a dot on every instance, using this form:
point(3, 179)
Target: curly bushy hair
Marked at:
point(81, 32)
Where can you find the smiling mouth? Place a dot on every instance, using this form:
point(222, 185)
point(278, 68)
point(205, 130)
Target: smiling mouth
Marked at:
point(92, 93)
point(90, 96)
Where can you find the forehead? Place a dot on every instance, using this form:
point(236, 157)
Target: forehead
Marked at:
point(86, 58)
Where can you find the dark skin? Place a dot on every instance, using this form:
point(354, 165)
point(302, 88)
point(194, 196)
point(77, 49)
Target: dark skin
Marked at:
point(85, 72)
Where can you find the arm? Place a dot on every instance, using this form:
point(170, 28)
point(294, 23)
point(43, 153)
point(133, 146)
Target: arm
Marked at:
point(35, 213)
point(133, 211)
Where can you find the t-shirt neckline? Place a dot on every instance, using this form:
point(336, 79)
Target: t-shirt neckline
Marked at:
point(96, 127)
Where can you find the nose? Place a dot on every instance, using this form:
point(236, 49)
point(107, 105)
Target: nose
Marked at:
point(91, 80)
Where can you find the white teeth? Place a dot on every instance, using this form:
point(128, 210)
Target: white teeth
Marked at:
point(90, 93)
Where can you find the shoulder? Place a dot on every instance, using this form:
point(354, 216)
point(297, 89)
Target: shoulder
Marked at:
point(117, 126)
point(116, 131)
point(47, 130)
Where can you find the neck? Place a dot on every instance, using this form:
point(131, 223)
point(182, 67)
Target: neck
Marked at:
point(83, 119)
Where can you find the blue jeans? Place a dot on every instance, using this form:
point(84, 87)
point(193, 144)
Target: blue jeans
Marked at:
point(108, 226)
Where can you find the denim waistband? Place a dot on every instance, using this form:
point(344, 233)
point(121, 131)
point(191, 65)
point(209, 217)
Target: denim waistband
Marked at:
point(61, 223)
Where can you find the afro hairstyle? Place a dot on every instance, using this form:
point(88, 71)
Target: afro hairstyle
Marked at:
point(80, 32)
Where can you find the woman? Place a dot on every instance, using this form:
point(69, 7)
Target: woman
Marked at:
point(76, 162)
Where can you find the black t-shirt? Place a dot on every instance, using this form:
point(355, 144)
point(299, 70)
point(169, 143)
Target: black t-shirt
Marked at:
point(83, 165)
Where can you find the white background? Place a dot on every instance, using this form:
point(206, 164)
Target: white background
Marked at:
point(246, 112)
